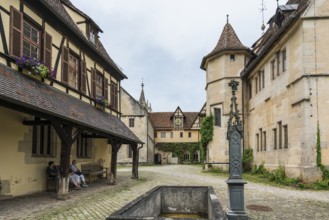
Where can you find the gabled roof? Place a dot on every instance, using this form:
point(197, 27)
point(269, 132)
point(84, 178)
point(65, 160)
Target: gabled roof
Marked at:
point(228, 41)
point(163, 120)
point(275, 31)
point(57, 8)
point(177, 111)
point(202, 113)
point(34, 97)
point(70, 5)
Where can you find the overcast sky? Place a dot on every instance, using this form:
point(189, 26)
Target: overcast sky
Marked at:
point(164, 41)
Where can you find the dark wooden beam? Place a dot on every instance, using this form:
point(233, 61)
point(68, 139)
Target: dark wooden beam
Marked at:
point(36, 122)
point(96, 136)
point(4, 41)
point(60, 131)
point(135, 161)
point(116, 144)
point(76, 135)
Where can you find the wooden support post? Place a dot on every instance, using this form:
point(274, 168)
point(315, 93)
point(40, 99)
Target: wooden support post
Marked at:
point(135, 161)
point(67, 139)
point(135, 150)
point(116, 144)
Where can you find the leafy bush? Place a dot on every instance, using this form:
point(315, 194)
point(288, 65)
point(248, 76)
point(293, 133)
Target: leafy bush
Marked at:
point(321, 184)
point(247, 159)
point(260, 169)
point(279, 175)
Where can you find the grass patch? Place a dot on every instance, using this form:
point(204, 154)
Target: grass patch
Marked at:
point(276, 178)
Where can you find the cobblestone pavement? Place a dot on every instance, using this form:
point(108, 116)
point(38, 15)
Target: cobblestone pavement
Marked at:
point(100, 200)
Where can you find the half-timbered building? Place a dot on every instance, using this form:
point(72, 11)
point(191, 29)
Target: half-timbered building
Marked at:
point(177, 136)
point(59, 94)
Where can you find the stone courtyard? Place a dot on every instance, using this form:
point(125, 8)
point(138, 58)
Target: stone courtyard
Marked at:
point(100, 200)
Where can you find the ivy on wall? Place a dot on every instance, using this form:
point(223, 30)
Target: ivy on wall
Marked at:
point(324, 170)
point(207, 132)
point(178, 149)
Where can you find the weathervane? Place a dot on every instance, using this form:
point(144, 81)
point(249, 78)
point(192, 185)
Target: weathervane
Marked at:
point(262, 9)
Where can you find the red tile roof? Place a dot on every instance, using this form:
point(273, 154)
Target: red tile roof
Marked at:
point(163, 120)
point(228, 41)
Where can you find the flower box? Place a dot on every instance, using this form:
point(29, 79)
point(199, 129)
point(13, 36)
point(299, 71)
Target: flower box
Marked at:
point(32, 67)
point(100, 107)
point(101, 102)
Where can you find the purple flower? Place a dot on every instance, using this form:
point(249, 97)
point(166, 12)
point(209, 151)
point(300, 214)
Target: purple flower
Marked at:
point(102, 101)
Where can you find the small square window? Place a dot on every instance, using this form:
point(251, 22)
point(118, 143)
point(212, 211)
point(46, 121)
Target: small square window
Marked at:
point(232, 57)
point(131, 122)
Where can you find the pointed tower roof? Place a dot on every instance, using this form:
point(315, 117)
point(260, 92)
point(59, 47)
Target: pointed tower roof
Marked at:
point(142, 96)
point(228, 41)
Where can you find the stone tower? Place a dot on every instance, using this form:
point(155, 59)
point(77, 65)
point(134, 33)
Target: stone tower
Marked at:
point(223, 64)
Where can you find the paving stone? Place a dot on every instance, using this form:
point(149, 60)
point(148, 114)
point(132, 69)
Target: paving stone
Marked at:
point(100, 200)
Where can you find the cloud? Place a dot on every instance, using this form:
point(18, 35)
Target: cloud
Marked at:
point(164, 41)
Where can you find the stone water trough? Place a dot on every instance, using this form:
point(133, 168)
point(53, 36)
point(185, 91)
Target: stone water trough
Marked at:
point(173, 202)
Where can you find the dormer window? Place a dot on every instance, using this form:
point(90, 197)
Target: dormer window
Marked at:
point(92, 36)
point(92, 33)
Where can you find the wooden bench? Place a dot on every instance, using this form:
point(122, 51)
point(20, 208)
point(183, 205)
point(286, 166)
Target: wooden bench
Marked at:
point(93, 169)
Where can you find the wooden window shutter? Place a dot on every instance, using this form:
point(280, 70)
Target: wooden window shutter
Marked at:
point(83, 77)
point(106, 84)
point(65, 64)
point(93, 83)
point(47, 45)
point(114, 96)
point(16, 34)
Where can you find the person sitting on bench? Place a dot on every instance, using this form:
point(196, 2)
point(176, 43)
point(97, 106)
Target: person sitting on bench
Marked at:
point(75, 170)
point(52, 171)
point(74, 179)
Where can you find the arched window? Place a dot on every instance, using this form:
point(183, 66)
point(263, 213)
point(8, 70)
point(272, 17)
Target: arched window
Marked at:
point(186, 156)
point(196, 156)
